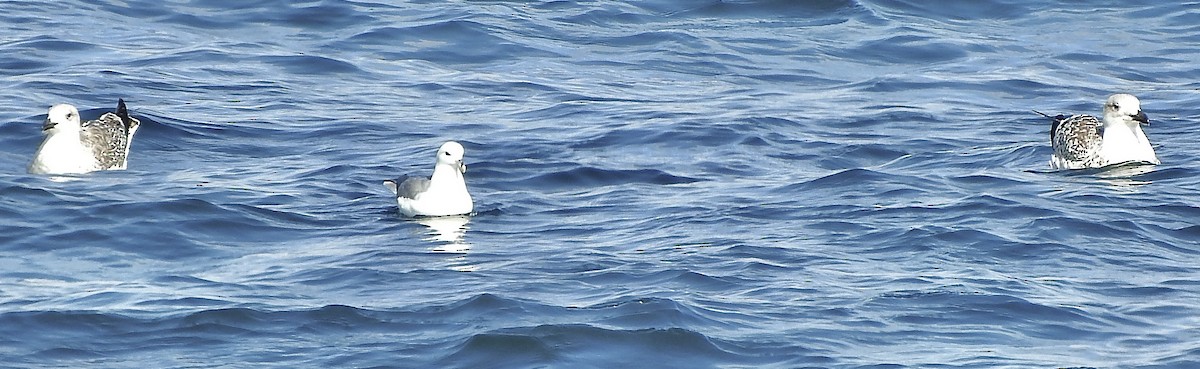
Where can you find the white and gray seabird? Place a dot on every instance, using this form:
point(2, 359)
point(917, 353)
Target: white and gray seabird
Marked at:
point(1083, 141)
point(71, 147)
point(444, 193)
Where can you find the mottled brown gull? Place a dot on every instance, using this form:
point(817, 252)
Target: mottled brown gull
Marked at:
point(71, 147)
point(1083, 141)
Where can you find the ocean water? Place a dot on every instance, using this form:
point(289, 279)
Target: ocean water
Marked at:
point(660, 184)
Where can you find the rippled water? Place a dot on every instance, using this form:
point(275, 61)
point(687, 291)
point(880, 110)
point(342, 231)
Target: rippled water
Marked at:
point(825, 184)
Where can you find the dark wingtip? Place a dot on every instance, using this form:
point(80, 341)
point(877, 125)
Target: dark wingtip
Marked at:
point(1054, 121)
point(122, 112)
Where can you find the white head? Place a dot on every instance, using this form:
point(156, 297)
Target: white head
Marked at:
point(1124, 108)
point(61, 118)
point(451, 153)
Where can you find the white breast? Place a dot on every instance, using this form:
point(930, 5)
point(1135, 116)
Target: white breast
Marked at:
point(59, 154)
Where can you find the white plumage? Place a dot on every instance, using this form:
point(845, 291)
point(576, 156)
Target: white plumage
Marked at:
point(444, 193)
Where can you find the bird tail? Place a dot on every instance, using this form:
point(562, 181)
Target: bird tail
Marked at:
point(391, 184)
point(123, 113)
point(131, 123)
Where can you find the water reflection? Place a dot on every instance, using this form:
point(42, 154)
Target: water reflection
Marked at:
point(1124, 175)
point(64, 178)
point(451, 231)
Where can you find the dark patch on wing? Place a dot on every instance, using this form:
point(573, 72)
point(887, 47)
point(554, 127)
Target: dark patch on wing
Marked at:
point(1057, 119)
point(1054, 122)
point(131, 123)
point(408, 187)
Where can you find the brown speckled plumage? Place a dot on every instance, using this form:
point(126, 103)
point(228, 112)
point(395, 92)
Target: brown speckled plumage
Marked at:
point(109, 136)
point(1077, 140)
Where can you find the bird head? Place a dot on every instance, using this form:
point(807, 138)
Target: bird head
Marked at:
point(451, 153)
point(61, 118)
point(1125, 108)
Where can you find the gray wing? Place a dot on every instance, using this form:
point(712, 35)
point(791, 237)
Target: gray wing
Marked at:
point(407, 186)
point(109, 137)
point(1077, 138)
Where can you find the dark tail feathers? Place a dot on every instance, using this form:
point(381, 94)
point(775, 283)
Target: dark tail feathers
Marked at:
point(123, 113)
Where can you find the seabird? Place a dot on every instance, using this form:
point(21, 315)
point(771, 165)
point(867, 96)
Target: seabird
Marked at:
point(73, 148)
point(1083, 141)
point(444, 193)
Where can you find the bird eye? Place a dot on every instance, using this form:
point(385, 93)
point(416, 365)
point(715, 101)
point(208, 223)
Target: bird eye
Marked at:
point(1116, 107)
point(447, 153)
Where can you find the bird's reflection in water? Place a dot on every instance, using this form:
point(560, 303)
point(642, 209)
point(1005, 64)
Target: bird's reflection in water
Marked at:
point(449, 232)
point(1125, 175)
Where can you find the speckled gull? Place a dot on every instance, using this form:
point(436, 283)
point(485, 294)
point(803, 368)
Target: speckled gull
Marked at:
point(71, 147)
point(444, 193)
point(1082, 141)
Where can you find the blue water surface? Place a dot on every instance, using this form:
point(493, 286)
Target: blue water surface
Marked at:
point(666, 184)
